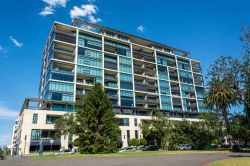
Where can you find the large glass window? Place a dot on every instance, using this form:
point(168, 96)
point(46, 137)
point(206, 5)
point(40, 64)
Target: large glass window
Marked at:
point(89, 61)
point(185, 65)
point(59, 96)
point(90, 41)
point(35, 134)
point(118, 48)
point(61, 87)
point(126, 98)
point(125, 77)
point(61, 76)
point(89, 53)
point(91, 72)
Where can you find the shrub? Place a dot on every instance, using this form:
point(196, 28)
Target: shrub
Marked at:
point(133, 142)
point(143, 141)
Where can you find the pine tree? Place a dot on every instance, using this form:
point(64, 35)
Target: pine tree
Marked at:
point(94, 123)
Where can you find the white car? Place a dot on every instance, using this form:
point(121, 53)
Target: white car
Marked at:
point(185, 147)
point(128, 149)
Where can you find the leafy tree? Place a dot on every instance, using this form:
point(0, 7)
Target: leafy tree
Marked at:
point(220, 97)
point(240, 129)
point(64, 125)
point(133, 142)
point(159, 129)
point(142, 141)
point(2, 155)
point(245, 71)
point(93, 123)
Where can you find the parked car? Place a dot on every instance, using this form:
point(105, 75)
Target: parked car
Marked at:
point(65, 151)
point(185, 147)
point(237, 148)
point(128, 149)
point(151, 148)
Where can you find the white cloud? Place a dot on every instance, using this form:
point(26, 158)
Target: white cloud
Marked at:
point(141, 28)
point(47, 11)
point(17, 43)
point(6, 112)
point(93, 19)
point(55, 3)
point(86, 11)
point(51, 5)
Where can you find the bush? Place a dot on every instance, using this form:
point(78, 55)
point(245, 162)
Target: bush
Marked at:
point(143, 141)
point(133, 142)
point(2, 155)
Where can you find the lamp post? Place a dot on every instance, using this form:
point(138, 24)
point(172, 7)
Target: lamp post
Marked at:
point(41, 147)
point(51, 142)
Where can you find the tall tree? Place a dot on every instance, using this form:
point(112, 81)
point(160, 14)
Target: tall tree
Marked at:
point(93, 123)
point(223, 87)
point(159, 129)
point(220, 97)
point(245, 71)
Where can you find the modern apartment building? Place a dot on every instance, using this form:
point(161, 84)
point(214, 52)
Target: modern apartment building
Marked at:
point(139, 76)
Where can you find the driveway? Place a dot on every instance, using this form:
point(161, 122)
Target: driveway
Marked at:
point(159, 160)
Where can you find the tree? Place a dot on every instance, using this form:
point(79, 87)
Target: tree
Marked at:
point(133, 142)
point(240, 128)
point(245, 71)
point(142, 142)
point(64, 125)
point(93, 123)
point(159, 129)
point(220, 97)
point(2, 155)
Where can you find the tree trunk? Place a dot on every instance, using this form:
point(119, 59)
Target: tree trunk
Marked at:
point(227, 125)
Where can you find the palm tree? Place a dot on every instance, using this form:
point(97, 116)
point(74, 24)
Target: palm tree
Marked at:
point(220, 97)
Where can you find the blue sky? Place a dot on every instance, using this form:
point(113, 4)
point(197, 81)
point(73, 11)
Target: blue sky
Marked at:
point(207, 29)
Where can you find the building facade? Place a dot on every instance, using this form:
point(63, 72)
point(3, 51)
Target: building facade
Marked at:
point(139, 76)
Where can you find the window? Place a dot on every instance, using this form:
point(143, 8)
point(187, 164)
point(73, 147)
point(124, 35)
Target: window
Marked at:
point(135, 121)
point(35, 134)
point(126, 77)
point(118, 48)
point(51, 119)
point(59, 96)
point(126, 85)
point(125, 68)
point(136, 134)
point(35, 118)
point(126, 94)
point(89, 61)
point(89, 53)
point(128, 135)
point(91, 72)
point(122, 121)
point(90, 41)
point(58, 86)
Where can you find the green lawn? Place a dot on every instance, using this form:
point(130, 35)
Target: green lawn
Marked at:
point(138, 153)
point(235, 161)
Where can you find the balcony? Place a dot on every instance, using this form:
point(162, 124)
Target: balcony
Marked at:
point(140, 98)
point(64, 50)
point(140, 54)
point(64, 36)
point(110, 77)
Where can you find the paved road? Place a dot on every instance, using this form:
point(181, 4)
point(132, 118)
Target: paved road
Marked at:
point(160, 160)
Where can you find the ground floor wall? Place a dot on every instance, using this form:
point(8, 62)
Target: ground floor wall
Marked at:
point(36, 128)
